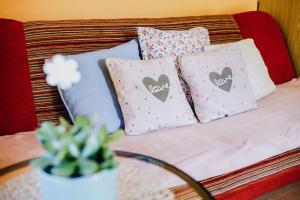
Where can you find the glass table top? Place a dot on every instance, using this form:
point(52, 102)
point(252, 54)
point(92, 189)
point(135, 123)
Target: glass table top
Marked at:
point(138, 177)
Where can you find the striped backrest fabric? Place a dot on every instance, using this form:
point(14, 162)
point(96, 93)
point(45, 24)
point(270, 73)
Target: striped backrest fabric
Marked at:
point(46, 38)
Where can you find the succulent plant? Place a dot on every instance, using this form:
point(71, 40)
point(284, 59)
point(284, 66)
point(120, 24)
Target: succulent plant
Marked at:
point(75, 150)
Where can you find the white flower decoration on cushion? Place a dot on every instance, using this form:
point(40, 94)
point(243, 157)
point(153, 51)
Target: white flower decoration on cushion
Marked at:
point(62, 72)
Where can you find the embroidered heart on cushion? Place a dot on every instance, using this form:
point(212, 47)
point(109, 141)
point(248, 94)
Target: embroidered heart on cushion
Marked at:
point(223, 81)
point(159, 88)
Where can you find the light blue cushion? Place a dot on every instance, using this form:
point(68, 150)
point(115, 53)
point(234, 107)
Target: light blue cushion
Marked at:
point(94, 94)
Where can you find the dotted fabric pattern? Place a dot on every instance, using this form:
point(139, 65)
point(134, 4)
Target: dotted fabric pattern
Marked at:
point(261, 83)
point(150, 94)
point(219, 83)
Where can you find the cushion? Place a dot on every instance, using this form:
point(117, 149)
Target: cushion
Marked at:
point(258, 75)
point(95, 94)
point(219, 83)
point(150, 94)
point(80, 36)
point(157, 43)
point(16, 102)
point(269, 40)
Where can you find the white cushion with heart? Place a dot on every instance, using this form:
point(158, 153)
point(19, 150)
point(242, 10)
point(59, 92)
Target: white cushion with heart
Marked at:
point(219, 83)
point(157, 43)
point(150, 94)
point(259, 78)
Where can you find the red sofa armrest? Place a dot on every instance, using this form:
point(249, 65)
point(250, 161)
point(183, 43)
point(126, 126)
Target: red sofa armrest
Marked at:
point(17, 111)
point(269, 40)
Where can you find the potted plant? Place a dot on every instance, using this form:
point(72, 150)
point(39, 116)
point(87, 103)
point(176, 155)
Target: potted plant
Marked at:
point(78, 163)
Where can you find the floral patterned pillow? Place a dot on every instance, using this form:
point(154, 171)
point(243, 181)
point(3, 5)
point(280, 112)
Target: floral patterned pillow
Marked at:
point(156, 43)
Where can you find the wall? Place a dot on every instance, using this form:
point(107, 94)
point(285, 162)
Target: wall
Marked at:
point(74, 9)
point(287, 13)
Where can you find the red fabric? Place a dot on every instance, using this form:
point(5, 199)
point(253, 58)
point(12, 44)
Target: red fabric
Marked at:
point(264, 185)
point(16, 103)
point(269, 40)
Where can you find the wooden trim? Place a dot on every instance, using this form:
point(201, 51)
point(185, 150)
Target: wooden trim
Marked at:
point(287, 14)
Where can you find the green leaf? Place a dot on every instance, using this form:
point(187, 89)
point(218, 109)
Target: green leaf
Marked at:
point(82, 135)
point(41, 163)
point(91, 147)
point(82, 120)
point(60, 156)
point(64, 169)
point(116, 136)
point(49, 131)
point(48, 147)
point(107, 153)
point(108, 164)
point(73, 149)
point(87, 166)
point(103, 136)
point(40, 135)
point(74, 130)
point(56, 144)
point(64, 122)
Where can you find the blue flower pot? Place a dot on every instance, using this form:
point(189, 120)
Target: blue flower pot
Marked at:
point(99, 186)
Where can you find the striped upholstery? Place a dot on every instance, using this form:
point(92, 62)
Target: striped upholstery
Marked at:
point(46, 38)
point(237, 180)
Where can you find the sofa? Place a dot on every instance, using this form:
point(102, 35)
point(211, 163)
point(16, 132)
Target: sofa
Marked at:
point(240, 157)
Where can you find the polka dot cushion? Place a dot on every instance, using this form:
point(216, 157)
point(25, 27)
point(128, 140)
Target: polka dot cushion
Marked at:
point(260, 81)
point(219, 83)
point(150, 94)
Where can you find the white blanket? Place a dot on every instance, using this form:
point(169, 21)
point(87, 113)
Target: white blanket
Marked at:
point(228, 144)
